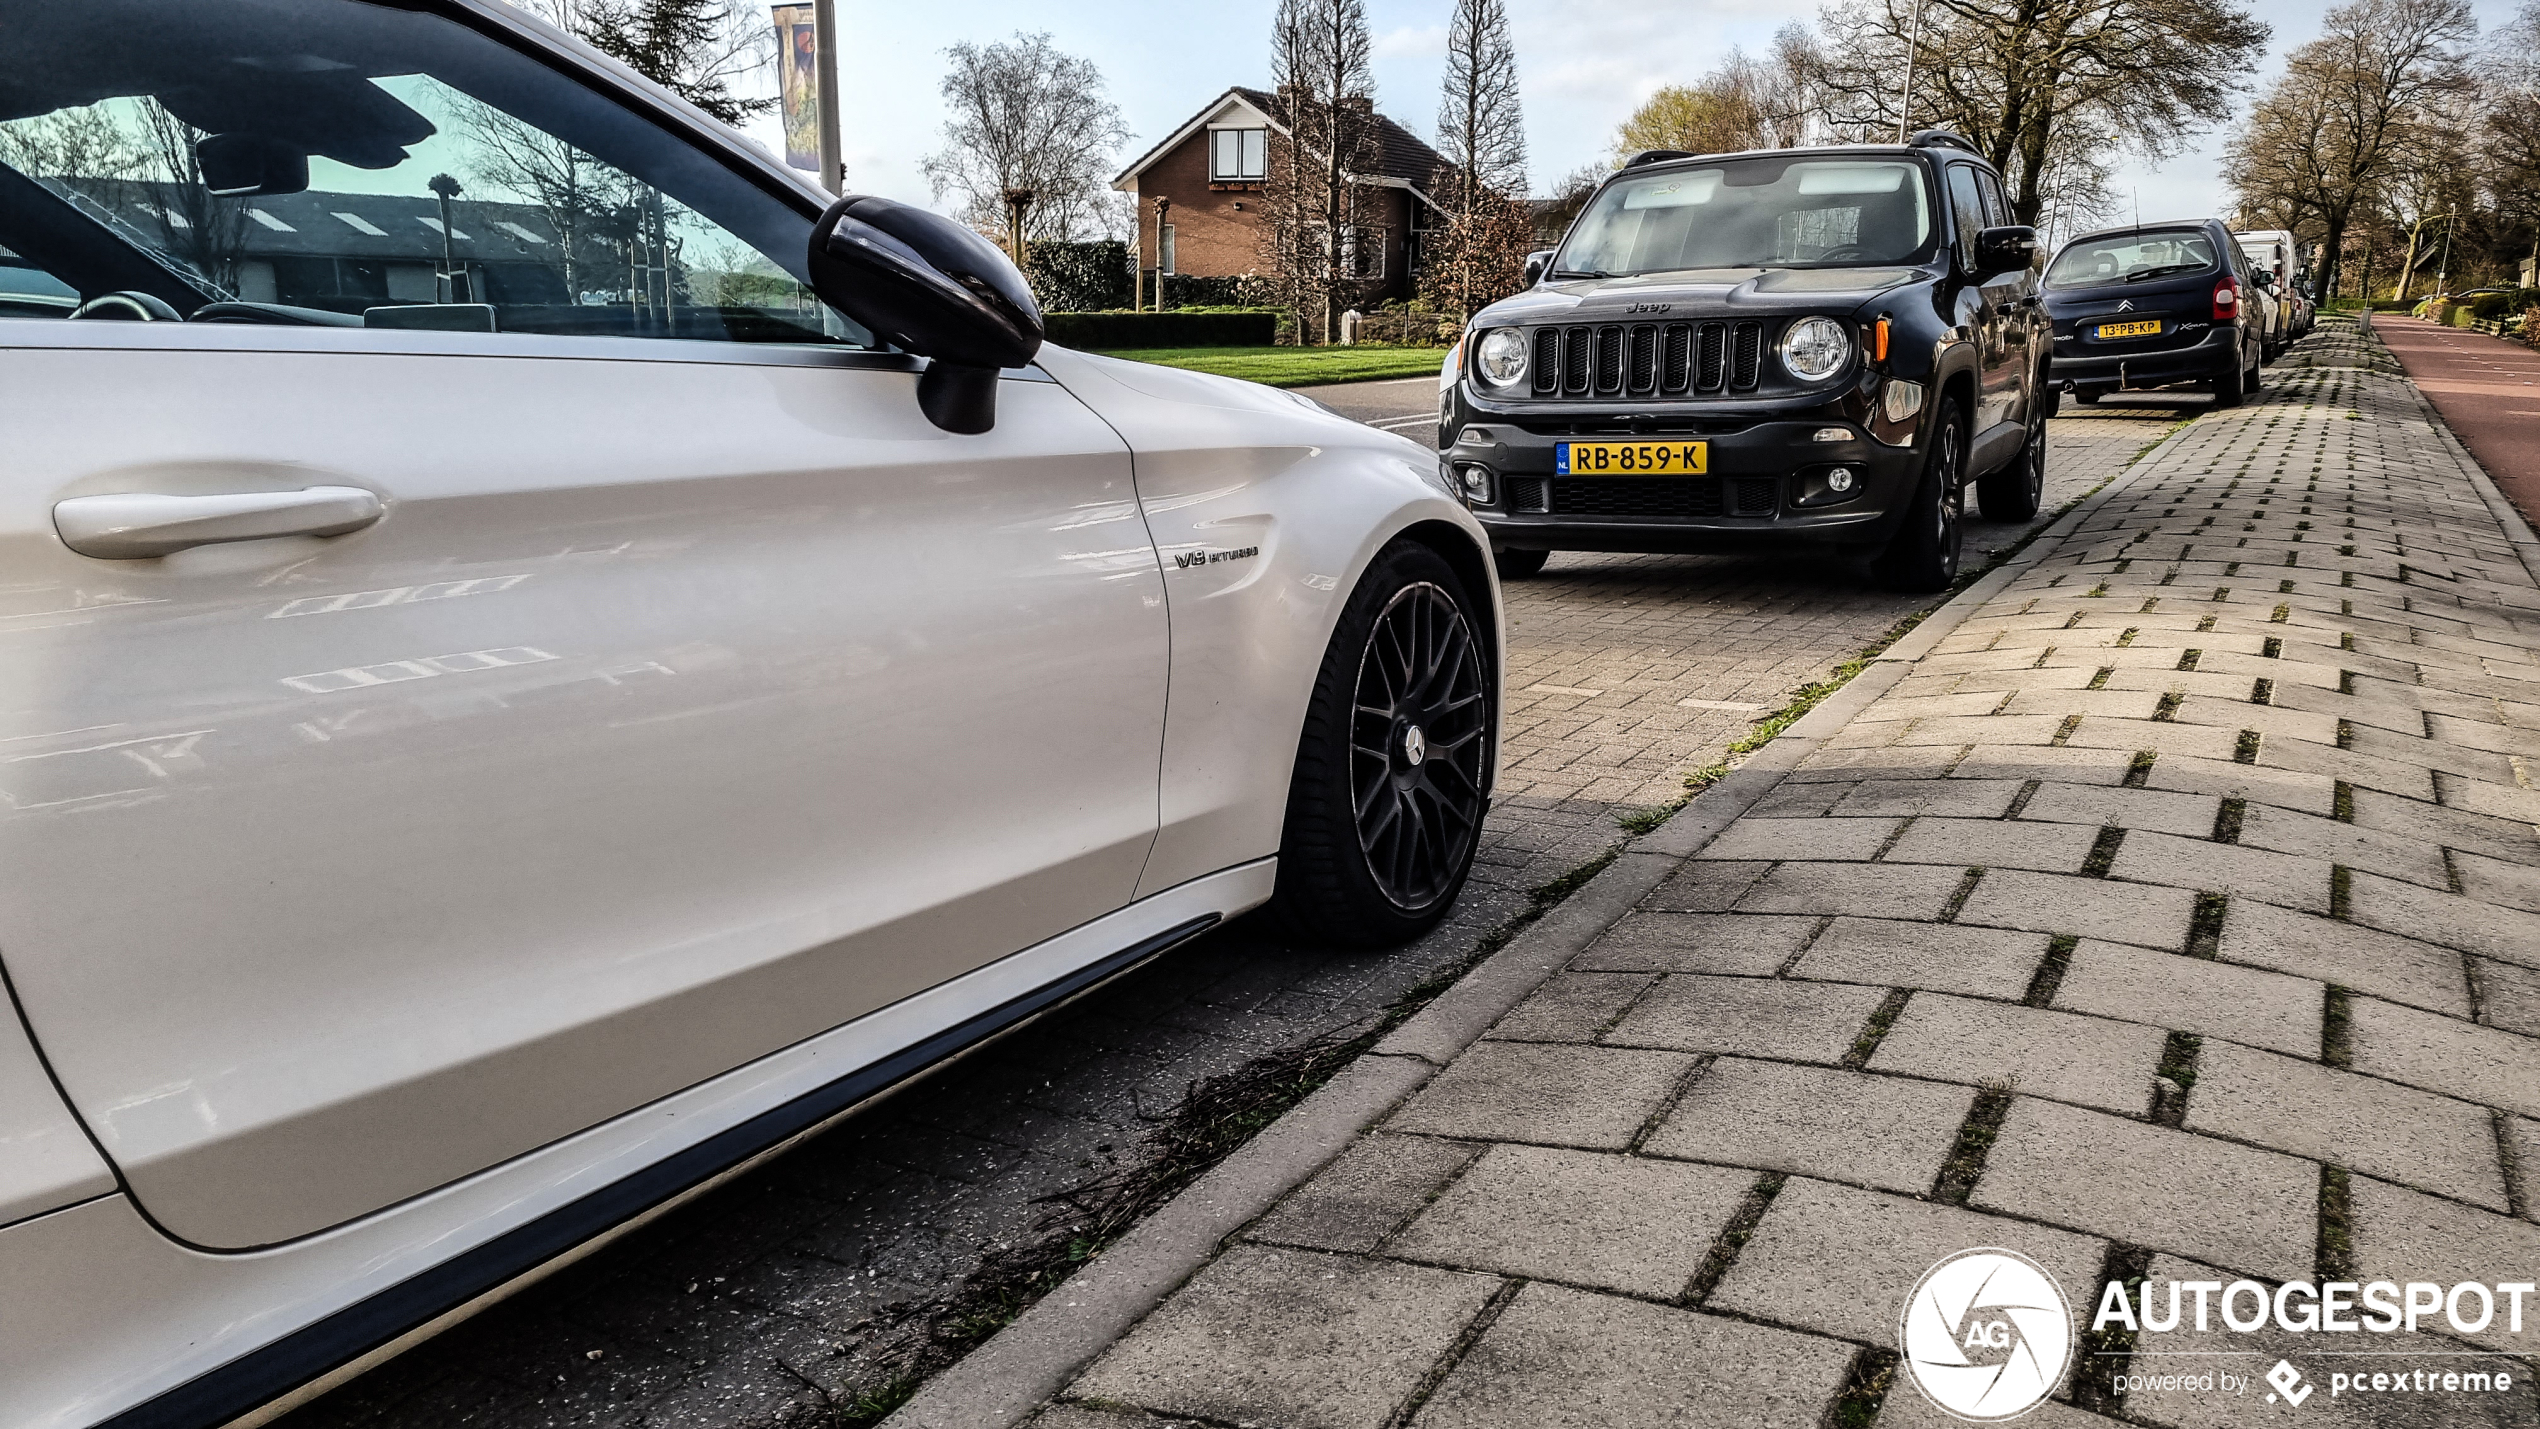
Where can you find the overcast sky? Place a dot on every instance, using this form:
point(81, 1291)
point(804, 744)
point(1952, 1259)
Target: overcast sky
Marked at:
point(1584, 65)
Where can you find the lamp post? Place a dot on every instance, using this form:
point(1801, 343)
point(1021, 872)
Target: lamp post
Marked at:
point(1017, 202)
point(1913, 47)
point(1163, 213)
point(824, 40)
point(448, 188)
point(2443, 269)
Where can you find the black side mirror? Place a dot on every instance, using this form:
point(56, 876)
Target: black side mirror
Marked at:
point(2005, 250)
point(236, 165)
point(1536, 263)
point(932, 287)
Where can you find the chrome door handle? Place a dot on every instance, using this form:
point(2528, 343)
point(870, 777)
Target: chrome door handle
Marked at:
point(133, 524)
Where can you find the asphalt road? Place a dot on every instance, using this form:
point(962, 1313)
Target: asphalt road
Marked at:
point(785, 1294)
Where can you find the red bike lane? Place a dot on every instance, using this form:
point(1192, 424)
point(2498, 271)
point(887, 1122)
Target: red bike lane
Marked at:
point(2488, 391)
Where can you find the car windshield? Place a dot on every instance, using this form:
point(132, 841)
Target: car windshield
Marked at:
point(2131, 257)
point(353, 162)
point(1755, 213)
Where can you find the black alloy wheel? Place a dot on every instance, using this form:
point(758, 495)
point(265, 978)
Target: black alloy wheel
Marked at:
point(1923, 554)
point(2230, 388)
point(2015, 492)
point(1393, 772)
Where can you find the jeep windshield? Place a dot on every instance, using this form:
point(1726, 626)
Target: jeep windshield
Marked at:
point(2131, 257)
point(1755, 213)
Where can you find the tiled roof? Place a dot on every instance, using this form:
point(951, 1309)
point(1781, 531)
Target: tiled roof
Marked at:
point(1400, 154)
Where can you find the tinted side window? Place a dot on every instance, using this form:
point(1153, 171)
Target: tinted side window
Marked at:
point(441, 168)
point(1997, 211)
point(1966, 208)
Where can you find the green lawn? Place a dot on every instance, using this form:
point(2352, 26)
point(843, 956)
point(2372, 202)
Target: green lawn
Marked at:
point(1296, 366)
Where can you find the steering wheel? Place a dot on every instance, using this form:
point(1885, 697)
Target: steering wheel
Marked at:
point(130, 305)
point(1846, 253)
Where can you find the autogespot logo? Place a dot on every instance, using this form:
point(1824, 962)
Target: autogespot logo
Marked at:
point(1986, 1334)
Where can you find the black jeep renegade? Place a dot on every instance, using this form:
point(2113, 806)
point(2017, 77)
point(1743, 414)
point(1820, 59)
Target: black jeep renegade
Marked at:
point(1800, 344)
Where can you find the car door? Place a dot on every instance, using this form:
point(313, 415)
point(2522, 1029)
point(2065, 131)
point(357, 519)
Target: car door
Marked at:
point(689, 694)
point(1980, 299)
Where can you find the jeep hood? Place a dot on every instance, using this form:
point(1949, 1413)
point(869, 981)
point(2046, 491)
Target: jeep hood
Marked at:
point(1699, 293)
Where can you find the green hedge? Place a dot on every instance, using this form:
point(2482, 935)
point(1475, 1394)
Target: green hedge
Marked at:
point(1099, 331)
point(1080, 277)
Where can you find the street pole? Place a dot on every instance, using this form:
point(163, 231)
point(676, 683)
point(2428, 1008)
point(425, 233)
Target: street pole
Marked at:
point(1016, 202)
point(824, 38)
point(1163, 211)
point(1913, 46)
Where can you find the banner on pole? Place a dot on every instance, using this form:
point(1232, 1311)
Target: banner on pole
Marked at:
point(798, 78)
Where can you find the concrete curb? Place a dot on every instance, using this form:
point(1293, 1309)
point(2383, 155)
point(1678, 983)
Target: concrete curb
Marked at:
point(1005, 1380)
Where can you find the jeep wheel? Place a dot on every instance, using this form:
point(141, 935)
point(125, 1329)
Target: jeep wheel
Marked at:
point(1518, 565)
point(1386, 806)
point(2013, 493)
point(1923, 554)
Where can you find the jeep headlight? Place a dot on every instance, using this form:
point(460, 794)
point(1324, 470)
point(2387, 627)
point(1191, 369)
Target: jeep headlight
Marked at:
point(1815, 349)
point(1501, 358)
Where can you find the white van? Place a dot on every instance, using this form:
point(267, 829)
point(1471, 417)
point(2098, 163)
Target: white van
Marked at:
point(2274, 255)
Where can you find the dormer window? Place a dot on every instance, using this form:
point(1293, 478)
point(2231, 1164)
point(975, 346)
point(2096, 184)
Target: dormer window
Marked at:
point(1237, 156)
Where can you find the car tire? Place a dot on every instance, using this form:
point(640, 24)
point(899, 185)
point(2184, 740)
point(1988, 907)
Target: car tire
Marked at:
point(1518, 565)
point(1923, 554)
point(2014, 492)
point(2230, 389)
point(1393, 768)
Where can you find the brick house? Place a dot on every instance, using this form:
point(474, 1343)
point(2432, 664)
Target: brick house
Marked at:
point(1211, 168)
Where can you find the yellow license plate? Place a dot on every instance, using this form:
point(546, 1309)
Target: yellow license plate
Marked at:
point(2129, 329)
point(1632, 458)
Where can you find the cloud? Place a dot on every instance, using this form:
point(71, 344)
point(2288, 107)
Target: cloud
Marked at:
point(1412, 42)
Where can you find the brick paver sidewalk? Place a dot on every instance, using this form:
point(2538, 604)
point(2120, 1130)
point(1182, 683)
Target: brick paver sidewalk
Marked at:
point(2178, 914)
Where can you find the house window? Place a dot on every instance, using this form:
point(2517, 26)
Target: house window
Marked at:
point(1236, 156)
point(1164, 249)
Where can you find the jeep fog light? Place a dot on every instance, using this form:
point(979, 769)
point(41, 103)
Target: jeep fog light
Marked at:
point(1476, 484)
point(1839, 480)
point(1901, 399)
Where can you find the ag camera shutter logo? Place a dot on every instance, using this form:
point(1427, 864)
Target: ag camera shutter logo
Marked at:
point(1986, 1334)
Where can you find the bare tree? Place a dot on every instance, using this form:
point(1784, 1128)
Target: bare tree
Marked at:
point(205, 230)
point(2355, 109)
point(1744, 103)
point(1477, 254)
point(1313, 210)
point(2020, 77)
point(1027, 116)
point(577, 193)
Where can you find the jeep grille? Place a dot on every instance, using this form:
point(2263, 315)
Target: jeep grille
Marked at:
point(1648, 359)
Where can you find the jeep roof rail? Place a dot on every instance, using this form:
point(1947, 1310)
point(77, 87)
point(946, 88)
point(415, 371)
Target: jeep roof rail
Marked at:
point(1941, 139)
point(1658, 156)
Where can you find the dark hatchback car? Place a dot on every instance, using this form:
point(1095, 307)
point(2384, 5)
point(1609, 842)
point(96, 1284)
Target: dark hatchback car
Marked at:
point(1818, 345)
point(2154, 305)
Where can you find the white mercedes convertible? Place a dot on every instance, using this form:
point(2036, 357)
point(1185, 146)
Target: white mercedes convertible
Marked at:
point(542, 658)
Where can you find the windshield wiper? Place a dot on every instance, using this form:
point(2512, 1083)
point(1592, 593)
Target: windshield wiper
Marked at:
point(1583, 273)
point(2164, 268)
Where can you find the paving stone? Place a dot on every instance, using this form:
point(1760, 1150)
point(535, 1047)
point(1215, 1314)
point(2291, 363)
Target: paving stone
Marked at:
point(1366, 1194)
point(1746, 944)
point(2282, 879)
point(2155, 810)
point(2189, 1404)
point(2186, 994)
point(1565, 1359)
point(2253, 1211)
point(2434, 824)
point(2491, 880)
point(2044, 761)
point(1625, 1223)
point(2525, 1135)
point(2508, 934)
point(1948, 798)
point(1294, 1336)
point(1758, 1017)
point(2403, 1235)
point(1944, 957)
point(2295, 789)
point(2512, 995)
point(1995, 843)
point(1797, 801)
point(2383, 964)
point(1889, 1132)
point(1558, 1095)
point(1571, 1007)
point(2263, 826)
point(1928, 761)
point(1080, 1416)
point(1868, 890)
point(2050, 1054)
point(2376, 1127)
point(2085, 907)
point(1753, 838)
point(1905, 1408)
point(1842, 1261)
point(2482, 1064)
point(1701, 887)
